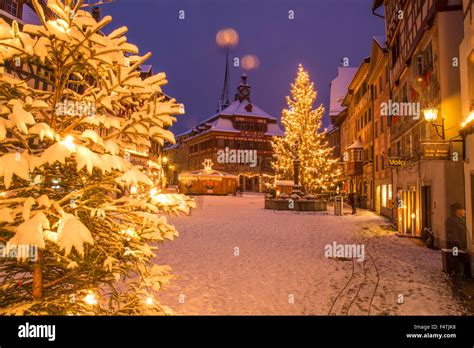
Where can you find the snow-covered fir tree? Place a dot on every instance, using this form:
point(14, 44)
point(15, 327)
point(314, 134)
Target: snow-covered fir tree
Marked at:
point(65, 169)
point(318, 171)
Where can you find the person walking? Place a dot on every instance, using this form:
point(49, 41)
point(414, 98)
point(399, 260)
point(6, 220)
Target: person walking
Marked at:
point(455, 226)
point(352, 202)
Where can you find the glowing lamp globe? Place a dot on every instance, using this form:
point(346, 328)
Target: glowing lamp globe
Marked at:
point(431, 114)
point(468, 119)
point(227, 38)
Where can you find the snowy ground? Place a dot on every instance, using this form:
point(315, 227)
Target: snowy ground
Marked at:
point(281, 267)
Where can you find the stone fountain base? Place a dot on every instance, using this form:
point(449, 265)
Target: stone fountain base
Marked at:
point(296, 205)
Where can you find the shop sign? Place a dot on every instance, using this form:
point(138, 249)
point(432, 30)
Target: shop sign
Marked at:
point(396, 162)
point(436, 151)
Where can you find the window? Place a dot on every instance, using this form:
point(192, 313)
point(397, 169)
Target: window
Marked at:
point(250, 126)
point(424, 61)
point(380, 84)
point(384, 195)
point(376, 163)
point(268, 162)
point(419, 65)
point(383, 161)
point(356, 155)
point(370, 114)
point(376, 129)
point(11, 6)
point(389, 192)
point(405, 93)
point(428, 58)
point(470, 74)
point(396, 50)
point(381, 125)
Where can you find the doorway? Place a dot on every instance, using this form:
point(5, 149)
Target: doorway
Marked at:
point(426, 207)
point(407, 219)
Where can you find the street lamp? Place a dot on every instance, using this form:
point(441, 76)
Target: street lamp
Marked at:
point(468, 119)
point(431, 115)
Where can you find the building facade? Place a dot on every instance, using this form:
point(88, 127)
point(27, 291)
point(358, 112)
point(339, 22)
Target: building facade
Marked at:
point(423, 40)
point(237, 139)
point(378, 81)
point(357, 144)
point(337, 112)
point(466, 59)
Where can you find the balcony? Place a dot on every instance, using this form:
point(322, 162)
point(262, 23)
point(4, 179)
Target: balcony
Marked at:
point(354, 169)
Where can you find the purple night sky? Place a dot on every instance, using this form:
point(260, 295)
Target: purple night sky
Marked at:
point(322, 33)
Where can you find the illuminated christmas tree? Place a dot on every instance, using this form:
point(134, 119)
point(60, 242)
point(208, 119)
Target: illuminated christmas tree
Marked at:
point(65, 169)
point(318, 170)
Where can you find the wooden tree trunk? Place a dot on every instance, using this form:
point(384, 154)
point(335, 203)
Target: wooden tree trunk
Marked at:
point(38, 277)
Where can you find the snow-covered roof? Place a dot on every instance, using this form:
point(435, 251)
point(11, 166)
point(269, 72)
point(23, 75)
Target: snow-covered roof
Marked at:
point(356, 145)
point(171, 147)
point(339, 89)
point(146, 68)
point(237, 108)
point(380, 41)
point(222, 124)
point(207, 173)
point(274, 129)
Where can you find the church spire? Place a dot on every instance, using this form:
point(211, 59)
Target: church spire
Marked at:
point(224, 100)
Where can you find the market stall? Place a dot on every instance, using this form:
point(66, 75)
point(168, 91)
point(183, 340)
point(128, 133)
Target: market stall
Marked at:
point(207, 181)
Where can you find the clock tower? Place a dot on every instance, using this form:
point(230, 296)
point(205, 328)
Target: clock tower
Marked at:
point(243, 91)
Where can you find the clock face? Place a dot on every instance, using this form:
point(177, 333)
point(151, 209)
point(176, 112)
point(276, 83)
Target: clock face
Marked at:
point(245, 92)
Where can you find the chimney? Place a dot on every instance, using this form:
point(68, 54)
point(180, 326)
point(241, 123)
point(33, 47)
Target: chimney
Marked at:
point(96, 13)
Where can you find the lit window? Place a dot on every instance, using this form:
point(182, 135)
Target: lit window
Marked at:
point(384, 195)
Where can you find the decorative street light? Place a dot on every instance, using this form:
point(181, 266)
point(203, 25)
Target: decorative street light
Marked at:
point(468, 119)
point(431, 115)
